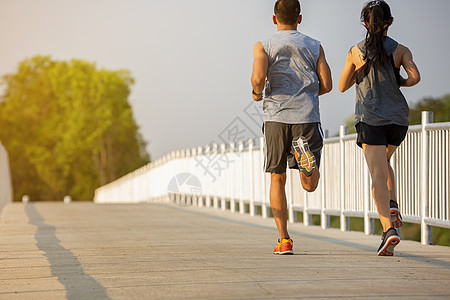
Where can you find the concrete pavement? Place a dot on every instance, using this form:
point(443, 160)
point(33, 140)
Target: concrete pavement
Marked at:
point(88, 251)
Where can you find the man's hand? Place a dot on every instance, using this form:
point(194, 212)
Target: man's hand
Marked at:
point(257, 97)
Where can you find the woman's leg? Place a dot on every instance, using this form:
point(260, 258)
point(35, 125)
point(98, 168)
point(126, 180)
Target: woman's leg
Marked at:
point(391, 179)
point(396, 218)
point(377, 161)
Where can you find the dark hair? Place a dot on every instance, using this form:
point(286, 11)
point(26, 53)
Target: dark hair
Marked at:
point(377, 15)
point(287, 11)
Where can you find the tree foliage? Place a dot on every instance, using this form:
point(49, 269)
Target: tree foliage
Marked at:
point(68, 128)
point(440, 108)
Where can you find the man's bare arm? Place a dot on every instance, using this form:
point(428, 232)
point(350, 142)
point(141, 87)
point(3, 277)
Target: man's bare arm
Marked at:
point(259, 74)
point(324, 74)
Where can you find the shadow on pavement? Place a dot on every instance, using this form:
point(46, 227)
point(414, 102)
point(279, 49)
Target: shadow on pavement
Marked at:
point(63, 264)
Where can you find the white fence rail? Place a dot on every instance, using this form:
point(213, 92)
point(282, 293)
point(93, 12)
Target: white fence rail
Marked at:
point(5, 178)
point(231, 177)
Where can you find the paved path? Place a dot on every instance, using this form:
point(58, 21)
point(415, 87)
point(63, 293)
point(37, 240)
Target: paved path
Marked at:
point(88, 251)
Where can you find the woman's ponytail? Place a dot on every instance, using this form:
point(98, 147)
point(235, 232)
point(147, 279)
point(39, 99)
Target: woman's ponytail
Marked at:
point(376, 16)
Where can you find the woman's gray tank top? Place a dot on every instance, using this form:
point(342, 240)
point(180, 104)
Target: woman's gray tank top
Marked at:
point(292, 87)
point(379, 100)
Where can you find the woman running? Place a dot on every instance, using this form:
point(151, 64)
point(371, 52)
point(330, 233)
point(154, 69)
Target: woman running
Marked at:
point(381, 111)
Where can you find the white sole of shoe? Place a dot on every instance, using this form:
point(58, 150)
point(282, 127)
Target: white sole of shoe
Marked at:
point(388, 249)
point(395, 218)
point(287, 252)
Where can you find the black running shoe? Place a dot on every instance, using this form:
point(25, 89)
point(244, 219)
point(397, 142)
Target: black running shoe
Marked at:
point(396, 217)
point(389, 240)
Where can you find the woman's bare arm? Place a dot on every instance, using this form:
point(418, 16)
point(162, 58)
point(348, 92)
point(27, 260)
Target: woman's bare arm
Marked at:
point(348, 74)
point(410, 68)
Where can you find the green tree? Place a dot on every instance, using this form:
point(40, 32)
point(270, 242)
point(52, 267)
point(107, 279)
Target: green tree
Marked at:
point(350, 123)
point(440, 108)
point(68, 128)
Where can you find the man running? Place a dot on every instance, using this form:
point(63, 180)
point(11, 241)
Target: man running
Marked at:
point(292, 69)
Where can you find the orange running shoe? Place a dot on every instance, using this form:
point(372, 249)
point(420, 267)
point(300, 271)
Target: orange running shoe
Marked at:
point(284, 247)
point(304, 157)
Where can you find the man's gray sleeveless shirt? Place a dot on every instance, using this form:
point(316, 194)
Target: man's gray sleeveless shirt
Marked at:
point(292, 87)
point(379, 100)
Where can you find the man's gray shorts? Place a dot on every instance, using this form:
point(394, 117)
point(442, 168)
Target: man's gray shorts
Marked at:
point(278, 144)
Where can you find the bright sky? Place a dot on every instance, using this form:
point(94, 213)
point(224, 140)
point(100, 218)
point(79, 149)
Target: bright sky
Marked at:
point(192, 59)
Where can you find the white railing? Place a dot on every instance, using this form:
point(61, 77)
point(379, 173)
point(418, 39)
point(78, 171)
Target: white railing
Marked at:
point(5, 178)
point(231, 177)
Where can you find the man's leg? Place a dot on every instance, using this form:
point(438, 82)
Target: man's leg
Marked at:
point(278, 203)
point(310, 183)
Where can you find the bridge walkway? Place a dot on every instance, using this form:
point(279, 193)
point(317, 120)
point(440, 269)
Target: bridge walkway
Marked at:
point(147, 251)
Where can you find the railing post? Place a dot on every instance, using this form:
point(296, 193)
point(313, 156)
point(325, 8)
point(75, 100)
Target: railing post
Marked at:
point(324, 218)
point(264, 207)
point(184, 196)
point(208, 196)
point(306, 217)
point(233, 179)
point(426, 230)
point(251, 178)
point(343, 130)
point(242, 209)
point(25, 199)
point(292, 215)
point(368, 222)
point(223, 185)
point(394, 162)
point(200, 197)
point(216, 184)
point(194, 197)
point(177, 195)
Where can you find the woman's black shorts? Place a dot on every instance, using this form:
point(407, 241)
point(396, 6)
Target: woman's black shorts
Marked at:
point(391, 134)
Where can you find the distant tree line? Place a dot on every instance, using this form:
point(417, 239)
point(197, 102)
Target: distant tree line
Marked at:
point(439, 106)
point(68, 128)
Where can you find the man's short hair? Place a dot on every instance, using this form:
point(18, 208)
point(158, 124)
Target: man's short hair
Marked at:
point(287, 11)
